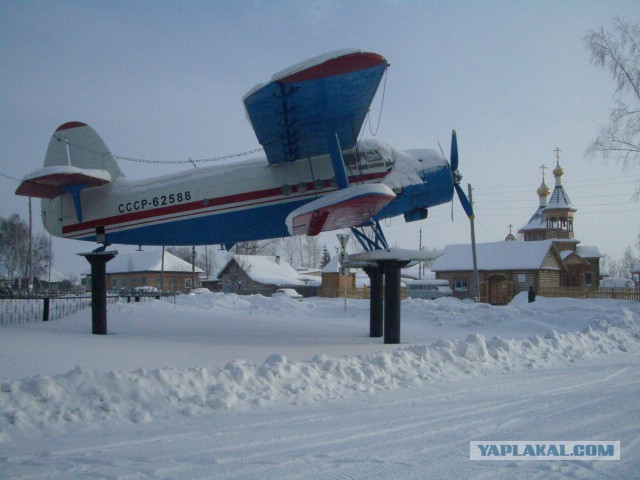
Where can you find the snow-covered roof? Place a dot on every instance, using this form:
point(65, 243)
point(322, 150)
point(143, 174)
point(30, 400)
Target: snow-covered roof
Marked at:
point(588, 251)
point(494, 256)
point(536, 222)
point(267, 270)
point(54, 275)
point(565, 254)
point(559, 199)
point(147, 261)
point(333, 265)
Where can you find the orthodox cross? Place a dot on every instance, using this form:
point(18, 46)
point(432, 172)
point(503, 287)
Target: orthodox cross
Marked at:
point(543, 167)
point(557, 150)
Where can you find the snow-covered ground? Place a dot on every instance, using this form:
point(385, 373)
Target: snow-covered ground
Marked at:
point(221, 386)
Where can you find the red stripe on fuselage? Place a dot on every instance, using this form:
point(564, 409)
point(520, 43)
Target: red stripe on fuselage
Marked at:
point(195, 208)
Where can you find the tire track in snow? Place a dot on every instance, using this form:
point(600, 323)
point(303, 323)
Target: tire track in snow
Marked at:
point(369, 436)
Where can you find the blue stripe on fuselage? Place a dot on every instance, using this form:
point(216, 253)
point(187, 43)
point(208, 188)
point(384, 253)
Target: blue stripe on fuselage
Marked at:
point(260, 223)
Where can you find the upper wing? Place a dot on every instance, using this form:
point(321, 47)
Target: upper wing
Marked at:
point(294, 114)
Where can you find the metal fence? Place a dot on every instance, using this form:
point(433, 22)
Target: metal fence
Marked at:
point(24, 309)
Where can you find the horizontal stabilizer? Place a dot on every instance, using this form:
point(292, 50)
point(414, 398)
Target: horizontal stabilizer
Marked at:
point(53, 181)
point(344, 208)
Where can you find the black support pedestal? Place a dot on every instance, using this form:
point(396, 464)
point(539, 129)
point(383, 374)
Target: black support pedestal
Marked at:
point(98, 262)
point(391, 269)
point(376, 301)
point(384, 303)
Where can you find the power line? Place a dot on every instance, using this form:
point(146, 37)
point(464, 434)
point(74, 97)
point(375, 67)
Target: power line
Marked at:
point(500, 189)
point(10, 177)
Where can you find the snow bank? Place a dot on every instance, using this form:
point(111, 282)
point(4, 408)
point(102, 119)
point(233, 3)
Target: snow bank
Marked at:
point(83, 396)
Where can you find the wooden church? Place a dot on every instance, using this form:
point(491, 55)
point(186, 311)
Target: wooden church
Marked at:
point(547, 257)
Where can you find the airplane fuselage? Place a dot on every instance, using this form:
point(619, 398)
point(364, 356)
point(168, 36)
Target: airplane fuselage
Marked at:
point(242, 200)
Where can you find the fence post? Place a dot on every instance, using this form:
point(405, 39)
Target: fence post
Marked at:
point(45, 310)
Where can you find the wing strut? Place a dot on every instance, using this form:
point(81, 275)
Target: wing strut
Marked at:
point(337, 161)
point(379, 242)
point(75, 190)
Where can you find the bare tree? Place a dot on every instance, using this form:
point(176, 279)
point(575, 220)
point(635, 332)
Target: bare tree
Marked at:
point(258, 247)
point(208, 260)
point(14, 249)
point(14, 245)
point(610, 266)
point(185, 253)
point(292, 249)
point(42, 254)
point(302, 251)
point(620, 268)
point(629, 260)
point(182, 252)
point(312, 251)
point(620, 54)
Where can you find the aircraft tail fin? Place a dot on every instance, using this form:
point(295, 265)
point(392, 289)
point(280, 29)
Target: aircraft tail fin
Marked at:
point(78, 145)
point(76, 158)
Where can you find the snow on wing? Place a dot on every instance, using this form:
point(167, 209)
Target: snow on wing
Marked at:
point(344, 208)
point(51, 182)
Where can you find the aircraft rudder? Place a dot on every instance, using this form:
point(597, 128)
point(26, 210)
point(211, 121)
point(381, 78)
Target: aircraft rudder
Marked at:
point(77, 144)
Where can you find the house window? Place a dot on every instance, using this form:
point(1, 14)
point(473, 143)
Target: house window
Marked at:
point(187, 283)
point(172, 283)
point(461, 285)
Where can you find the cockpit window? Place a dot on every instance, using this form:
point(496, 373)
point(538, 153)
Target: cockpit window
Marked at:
point(369, 160)
point(374, 160)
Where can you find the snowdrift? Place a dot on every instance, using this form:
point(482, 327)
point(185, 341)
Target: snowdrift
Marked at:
point(85, 396)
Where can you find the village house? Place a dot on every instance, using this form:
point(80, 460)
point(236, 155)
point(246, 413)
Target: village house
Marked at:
point(128, 271)
point(333, 283)
point(257, 274)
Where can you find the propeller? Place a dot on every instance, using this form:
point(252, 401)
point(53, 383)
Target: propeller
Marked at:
point(457, 177)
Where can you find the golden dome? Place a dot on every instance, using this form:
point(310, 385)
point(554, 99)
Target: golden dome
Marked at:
point(558, 171)
point(543, 189)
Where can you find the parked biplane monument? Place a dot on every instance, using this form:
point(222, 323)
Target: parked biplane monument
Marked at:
point(317, 175)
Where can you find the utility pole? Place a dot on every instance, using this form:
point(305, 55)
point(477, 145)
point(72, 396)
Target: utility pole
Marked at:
point(50, 258)
point(420, 263)
point(476, 288)
point(343, 238)
point(162, 272)
point(30, 256)
point(193, 267)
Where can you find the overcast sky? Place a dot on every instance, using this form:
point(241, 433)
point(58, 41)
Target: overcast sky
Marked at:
point(164, 81)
